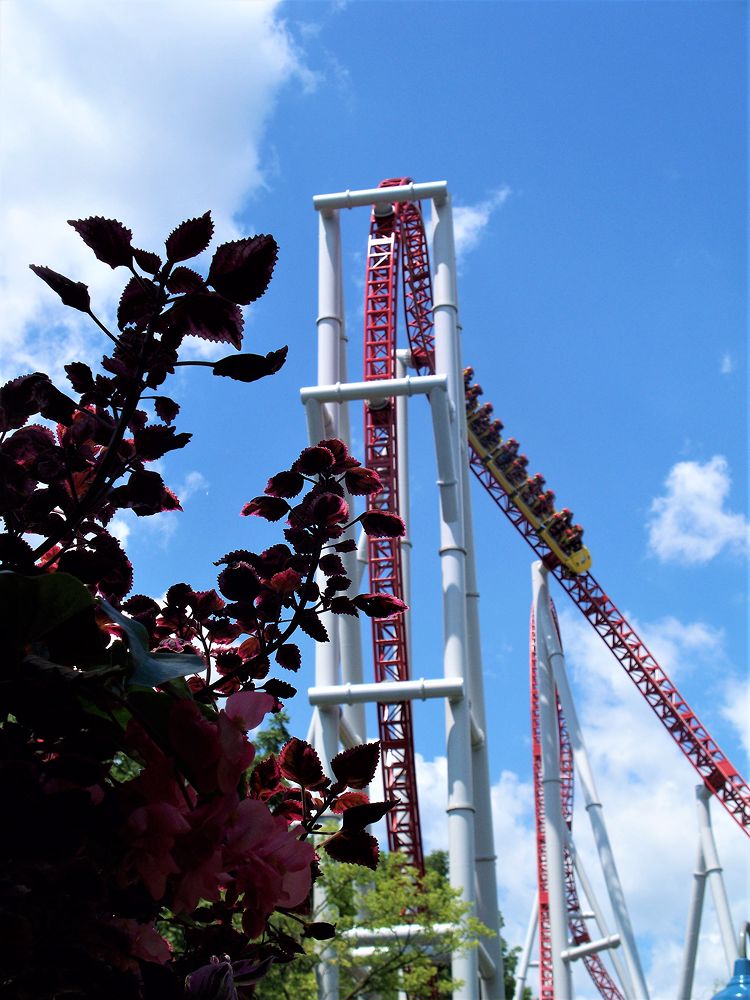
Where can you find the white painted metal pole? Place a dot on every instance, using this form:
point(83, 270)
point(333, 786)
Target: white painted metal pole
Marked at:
point(715, 877)
point(599, 919)
point(523, 963)
point(591, 798)
point(404, 497)
point(326, 203)
point(464, 965)
point(693, 930)
point(554, 823)
point(486, 859)
point(324, 419)
point(388, 692)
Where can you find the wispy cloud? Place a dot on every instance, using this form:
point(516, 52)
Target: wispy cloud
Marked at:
point(164, 118)
point(689, 523)
point(727, 364)
point(470, 221)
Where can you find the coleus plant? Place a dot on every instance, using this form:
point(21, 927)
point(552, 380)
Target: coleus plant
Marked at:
point(133, 810)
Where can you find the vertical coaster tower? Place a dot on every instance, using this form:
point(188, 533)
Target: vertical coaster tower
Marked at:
point(398, 249)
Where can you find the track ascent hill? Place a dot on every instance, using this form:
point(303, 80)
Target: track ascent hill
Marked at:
point(559, 545)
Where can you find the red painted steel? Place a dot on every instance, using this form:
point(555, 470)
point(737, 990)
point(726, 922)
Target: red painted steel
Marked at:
point(711, 763)
point(579, 933)
point(388, 232)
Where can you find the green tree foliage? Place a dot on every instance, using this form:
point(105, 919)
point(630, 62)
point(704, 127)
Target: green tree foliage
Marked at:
point(383, 899)
point(273, 736)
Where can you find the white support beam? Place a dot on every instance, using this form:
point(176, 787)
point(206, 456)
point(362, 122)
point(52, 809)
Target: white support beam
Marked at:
point(409, 385)
point(327, 203)
point(387, 692)
point(591, 948)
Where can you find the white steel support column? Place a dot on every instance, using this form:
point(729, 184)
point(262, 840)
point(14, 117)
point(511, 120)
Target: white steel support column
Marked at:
point(599, 919)
point(692, 932)
point(715, 878)
point(464, 965)
point(404, 498)
point(493, 988)
point(524, 961)
point(636, 984)
point(554, 823)
point(322, 423)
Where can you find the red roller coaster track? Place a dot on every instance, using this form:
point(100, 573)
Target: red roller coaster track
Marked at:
point(399, 236)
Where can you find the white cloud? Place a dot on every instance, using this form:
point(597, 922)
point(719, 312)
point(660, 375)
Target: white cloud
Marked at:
point(648, 792)
point(736, 710)
point(470, 221)
point(689, 523)
point(163, 117)
point(194, 482)
point(120, 528)
point(727, 365)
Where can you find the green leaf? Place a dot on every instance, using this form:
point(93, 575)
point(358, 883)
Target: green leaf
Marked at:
point(151, 669)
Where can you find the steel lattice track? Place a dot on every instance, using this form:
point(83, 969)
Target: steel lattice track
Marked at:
point(713, 766)
point(579, 932)
point(384, 554)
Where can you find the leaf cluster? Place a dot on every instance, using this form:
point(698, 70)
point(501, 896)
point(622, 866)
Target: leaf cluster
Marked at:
point(123, 720)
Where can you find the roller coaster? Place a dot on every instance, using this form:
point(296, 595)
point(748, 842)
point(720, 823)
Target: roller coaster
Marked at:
point(398, 249)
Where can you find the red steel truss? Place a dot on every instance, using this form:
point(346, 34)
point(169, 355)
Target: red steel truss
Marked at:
point(387, 234)
point(713, 766)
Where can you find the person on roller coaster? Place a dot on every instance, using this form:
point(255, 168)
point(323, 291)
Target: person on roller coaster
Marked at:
point(532, 488)
point(560, 522)
point(572, 539)
point(472, 394)
point(480, 421)
point(506, 452)
point(544, 505)
point(516, 472)
point(491, 438)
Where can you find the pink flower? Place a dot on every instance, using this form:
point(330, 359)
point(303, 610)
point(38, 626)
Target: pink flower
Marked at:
point(271, 865)
point(152, 830)
point(147, 943)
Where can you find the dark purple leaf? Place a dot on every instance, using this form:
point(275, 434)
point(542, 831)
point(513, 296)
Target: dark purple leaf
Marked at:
point(242, 270)
point(337, 582)
point(108, 238)
point(320, 931)
point(72, 293)
point(361, 482)
point(380, 605)
point(55, 405)
point(155, 441)
point(239, 582)
point(348, 545)
point(312, 625)
point(80, 376)
point(147, 261)
point(382, 524)
point(271, 508)
point(184, 279)
point(355, 768)
point(344, 606)
point(285, 484)
point(353, 848)
point(289, 656)
point(208, 316)
point(314, 460)
point(166, 408)
point(279, 689)
point(358, 817)
point(332, 564)
point(298, 762)
point(138, 303)
point(236, 555)
point(251, 367)
point(190, 238)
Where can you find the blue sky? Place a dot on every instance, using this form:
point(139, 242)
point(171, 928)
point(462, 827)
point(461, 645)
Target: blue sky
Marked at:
point(596, 153)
